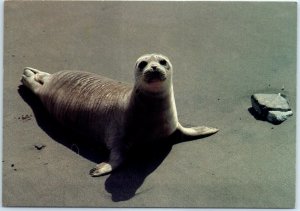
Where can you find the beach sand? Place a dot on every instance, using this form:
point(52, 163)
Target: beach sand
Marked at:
point(222, 53)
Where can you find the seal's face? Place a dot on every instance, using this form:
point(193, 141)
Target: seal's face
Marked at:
point(153, 72)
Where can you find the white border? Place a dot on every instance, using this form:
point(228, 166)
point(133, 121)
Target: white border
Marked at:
point(160, 209)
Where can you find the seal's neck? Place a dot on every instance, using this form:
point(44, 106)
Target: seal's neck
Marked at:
point(153, 101)
point(157, 110)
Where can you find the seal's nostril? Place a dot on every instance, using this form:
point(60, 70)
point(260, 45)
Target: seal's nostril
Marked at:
point(154, 67)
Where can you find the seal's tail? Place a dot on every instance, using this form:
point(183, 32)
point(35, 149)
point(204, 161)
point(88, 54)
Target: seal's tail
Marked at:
point(34, 79)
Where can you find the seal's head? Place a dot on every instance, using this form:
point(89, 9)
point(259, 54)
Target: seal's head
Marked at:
point(153, 73)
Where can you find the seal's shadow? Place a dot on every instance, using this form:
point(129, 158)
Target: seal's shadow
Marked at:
point(89, 150)
point(123, 183)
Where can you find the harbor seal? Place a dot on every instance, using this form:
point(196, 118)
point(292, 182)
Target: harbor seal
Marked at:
point(116, 113)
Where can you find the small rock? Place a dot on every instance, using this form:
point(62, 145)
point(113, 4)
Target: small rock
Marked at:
point(278, 116)
point(272, 107)
point(12, 165)
point(25, 117)
point(39, 146)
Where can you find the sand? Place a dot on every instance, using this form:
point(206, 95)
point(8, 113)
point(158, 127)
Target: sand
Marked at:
point(222, 53)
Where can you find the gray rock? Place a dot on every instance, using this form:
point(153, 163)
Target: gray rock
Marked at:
point(272, 107)
point(278, 116)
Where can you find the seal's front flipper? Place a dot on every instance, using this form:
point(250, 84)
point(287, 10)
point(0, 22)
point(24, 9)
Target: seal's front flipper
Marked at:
point(101, 169)
point(116, 158)
point(197, 131)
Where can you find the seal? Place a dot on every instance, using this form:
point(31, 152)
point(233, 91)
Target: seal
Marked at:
point(118, 114)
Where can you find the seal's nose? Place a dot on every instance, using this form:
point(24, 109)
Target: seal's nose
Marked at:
point(154, 67)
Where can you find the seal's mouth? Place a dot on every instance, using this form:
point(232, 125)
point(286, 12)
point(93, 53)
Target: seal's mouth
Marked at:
point(154, 76)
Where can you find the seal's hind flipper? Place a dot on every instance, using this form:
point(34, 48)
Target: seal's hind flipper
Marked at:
point(197, 131)
point(33, 78)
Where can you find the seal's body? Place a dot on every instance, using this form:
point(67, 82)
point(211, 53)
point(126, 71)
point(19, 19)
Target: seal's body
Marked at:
point(118, 114)
point(89, 102)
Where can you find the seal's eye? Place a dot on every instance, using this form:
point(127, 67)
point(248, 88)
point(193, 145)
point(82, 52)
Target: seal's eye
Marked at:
point(142, 65)
point(163, 62)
